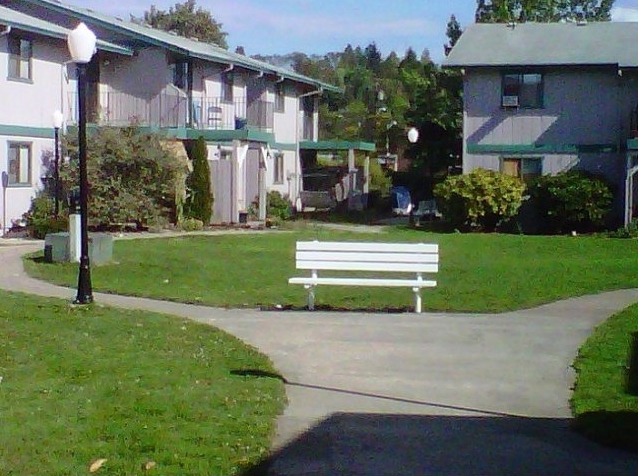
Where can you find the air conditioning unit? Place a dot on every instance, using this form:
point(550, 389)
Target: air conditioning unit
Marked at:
point(510, 101)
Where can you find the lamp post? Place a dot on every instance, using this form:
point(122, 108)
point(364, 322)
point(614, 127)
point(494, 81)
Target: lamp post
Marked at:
point(58, 120)
point(81, 43)
point(413, 135)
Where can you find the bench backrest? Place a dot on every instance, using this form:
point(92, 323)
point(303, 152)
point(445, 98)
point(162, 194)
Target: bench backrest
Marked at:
point(368, 256)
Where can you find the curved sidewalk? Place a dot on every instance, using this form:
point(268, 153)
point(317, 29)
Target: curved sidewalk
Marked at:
point(407, 394)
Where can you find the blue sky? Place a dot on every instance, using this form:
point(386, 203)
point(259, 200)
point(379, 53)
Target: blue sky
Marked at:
point(313, 26)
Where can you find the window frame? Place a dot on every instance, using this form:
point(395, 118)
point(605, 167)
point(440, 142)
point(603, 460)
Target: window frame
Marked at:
point(12, 148)
point(227, 86)
point(280, 97)
point(527, 178)
point(518, 92)
point(16, 59)
point(278, 168)
point(180, 72)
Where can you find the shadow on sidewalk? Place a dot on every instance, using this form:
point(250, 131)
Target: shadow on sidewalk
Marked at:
point(391, 444)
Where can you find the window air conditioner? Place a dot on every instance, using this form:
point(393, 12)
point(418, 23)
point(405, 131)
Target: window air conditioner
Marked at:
point(510, 101)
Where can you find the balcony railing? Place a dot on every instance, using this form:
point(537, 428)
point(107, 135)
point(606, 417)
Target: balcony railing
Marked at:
point(170, 110)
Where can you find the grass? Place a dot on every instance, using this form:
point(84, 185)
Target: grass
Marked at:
point(478, 272)
point(80, 383)
point(605, 398)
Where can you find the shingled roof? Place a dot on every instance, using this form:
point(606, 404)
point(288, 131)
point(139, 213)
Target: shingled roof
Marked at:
point(546, 44)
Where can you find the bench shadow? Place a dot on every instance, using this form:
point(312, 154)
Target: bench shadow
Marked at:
point(395, 444)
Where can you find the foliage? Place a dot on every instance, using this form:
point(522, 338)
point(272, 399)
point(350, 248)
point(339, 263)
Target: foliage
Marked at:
point(133, 177)
point(479, 272)
point(186, 21)
point(630, 231)
point(572, 200)
point(604, 402)
point(278, 208)
point(128, 386)
point(378, 180)
point(502, 11)
point(453, 32)
point(483, 198)
point(191, 224)
point(40, 219)
point(379, 91)
point(199, 202)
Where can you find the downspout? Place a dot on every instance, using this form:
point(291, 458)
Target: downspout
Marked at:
point(298, 177)
point(6, 31)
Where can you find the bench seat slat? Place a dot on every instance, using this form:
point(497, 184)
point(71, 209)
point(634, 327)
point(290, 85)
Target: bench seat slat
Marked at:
point(369, 257)
point(406, 283)
point(367, 246)
point(369, 266)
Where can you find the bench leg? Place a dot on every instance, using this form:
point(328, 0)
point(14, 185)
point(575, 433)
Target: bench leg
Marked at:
point(417, 300)
point(311, 298)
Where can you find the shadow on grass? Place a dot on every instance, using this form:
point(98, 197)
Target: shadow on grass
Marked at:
point(381, 444)
point(616, 429)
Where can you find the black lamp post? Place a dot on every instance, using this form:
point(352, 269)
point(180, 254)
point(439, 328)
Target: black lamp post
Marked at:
point(58, 119)
point(81, 43)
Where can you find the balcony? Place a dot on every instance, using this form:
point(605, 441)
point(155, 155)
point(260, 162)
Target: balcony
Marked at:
point(171, 110)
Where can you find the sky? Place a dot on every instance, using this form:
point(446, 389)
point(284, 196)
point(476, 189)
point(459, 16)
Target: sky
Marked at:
point(320, 26)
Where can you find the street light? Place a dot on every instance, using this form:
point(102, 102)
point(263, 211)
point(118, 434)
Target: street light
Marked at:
point(58, 120)
point(81, 43)
point(413, 135)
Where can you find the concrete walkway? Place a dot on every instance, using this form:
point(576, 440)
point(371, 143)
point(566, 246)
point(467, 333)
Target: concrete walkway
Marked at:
point(406, 394)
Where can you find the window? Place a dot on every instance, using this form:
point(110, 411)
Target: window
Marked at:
point(19, 163)
point(227, 86)
point(180, 74)
point(20, 53)
point(278, 168)
point(525, 168)
point(523, 90)
point(280, 97)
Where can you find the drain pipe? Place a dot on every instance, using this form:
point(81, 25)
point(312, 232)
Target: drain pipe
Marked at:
point(6, 31)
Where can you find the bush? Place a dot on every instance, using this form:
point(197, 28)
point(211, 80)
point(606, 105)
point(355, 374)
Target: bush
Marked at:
point(191, 224)
point(572, 200)
point(482, 198)
point(277, 207)
point(199, 202)
point(630, 231)
point(133, 177)
point(40, 219)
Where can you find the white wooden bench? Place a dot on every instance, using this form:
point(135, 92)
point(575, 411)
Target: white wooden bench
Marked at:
point(413, 260)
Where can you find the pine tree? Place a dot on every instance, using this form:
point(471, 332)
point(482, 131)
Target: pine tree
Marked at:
point(199, 203)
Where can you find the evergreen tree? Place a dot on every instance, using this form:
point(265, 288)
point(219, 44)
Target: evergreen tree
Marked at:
point(199, 203)
point(453, 32)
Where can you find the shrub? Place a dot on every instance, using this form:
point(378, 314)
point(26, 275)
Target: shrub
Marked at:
point(630, 231)
point(40, 219)
point(277, 206)
point(572, 200)
point(133, 177)
point(199, 201)
point(191, 224)
point(482, 198)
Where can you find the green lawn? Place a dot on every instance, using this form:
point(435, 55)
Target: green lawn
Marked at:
point(478, 272)
point(605, 398)
point(81, 383)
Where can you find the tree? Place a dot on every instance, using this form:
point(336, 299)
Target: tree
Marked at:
point(502, 11)
point(453, 32)
point(186, 21)
point(199, 202)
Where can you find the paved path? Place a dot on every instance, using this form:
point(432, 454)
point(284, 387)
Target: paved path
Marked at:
point(406, 394)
